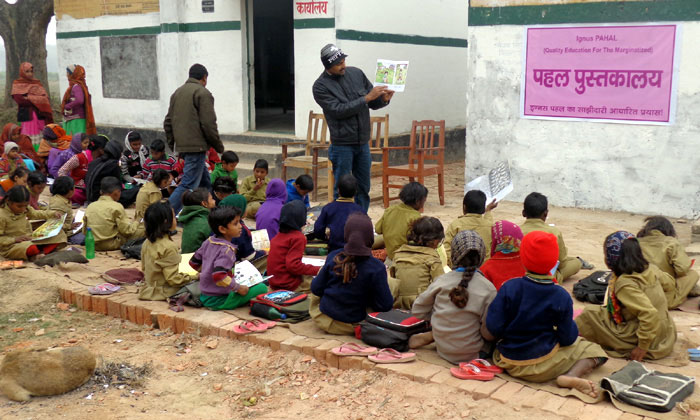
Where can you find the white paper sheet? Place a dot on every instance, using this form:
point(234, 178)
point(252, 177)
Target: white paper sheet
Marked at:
point(496, 185)
point(78, 218)
point(313, 261)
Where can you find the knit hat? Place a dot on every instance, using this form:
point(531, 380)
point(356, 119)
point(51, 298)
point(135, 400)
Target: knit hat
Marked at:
point(539, 252)
point(235, 200)
point(613, 246)
point(465, 241)
point(293, 215)
point(9, 145)
point(71, 68)
point(331, 55)
point(359, 235)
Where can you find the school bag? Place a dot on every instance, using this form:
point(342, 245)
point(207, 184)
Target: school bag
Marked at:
point(293, 305)
point(390, 329)
point(593, 287)
point(649, 389)
point(399, 320)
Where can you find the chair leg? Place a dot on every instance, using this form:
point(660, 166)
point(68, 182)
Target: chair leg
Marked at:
point(314, 176)
point(284, 172)
point(331, 183)
point(385, 190)
point(441, 188)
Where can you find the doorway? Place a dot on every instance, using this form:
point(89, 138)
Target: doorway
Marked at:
point(273, 46)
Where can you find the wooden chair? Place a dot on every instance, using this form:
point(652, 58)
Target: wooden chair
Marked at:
point(379, 138)
point(316, 140)
point(427, 144)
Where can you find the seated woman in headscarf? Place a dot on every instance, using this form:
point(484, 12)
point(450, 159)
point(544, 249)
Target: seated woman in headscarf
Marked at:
point(12, 132)
point(106, 165)
point(77, 145)
point(77, 166)
point(77, 103)
point(33, 104)
point(504, 263)
point(54, 140)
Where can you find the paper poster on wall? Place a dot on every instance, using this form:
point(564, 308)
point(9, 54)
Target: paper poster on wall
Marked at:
point(623, 74)
point(392, 74)
point(496, 185)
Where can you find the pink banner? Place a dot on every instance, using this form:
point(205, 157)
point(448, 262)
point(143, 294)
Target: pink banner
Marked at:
point(622, 73)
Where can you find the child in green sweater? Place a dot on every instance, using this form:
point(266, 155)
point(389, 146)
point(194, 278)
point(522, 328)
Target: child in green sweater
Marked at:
point(194, 216)
point(227, 167)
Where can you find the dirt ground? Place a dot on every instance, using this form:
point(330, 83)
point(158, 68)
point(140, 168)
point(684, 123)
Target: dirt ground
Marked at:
point(190, 379)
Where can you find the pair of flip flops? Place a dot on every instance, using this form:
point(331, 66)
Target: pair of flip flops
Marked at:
point(103, 289)
point(477, 369)
point(373, 354)
point(253, 326)
point(694, 355)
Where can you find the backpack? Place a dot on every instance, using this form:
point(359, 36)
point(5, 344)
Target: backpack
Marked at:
point(294, 306)
point(187, 295)
point(651, 390)
point(399, 320)
point(390, 329)
point(593, 287)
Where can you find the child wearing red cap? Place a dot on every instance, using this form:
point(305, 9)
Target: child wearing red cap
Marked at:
point(532, 319)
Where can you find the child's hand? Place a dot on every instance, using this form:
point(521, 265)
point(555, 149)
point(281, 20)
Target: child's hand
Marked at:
point(22, 239)
point(258, 184)
point(492, 205)
point(242, 290)
point(75, 225)
point(58, 215)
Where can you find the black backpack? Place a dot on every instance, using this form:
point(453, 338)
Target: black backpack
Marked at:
point(390, 329)
point(592, 288)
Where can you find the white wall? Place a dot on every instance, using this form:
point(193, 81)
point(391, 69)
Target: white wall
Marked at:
point(636, 168)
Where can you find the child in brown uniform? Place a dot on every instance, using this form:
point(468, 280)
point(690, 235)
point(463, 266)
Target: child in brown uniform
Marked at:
point(417, 263)
point(635, 323)
point(661, 248)
point(151, 192)
point(396, 220)
point(254, 186)
point(477, 217)
point(108, 220)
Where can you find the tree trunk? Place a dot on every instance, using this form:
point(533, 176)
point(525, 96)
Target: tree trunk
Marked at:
point(23, 29)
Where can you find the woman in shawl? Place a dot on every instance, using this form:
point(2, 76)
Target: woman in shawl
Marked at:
point(33, 103)
point(12, 132)
point(268, 217)
point(504, 263)
point(54, 140)
point(133, 157)
point(350, 282)
point(77, 145)
point(106, 165)
point(77, 103)
point(10, 160)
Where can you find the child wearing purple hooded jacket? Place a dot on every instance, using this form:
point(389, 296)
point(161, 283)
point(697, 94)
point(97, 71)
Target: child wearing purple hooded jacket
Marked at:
point(268, 216)
point(79, 143)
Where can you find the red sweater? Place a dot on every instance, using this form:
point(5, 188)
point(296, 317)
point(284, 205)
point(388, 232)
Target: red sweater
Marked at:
point(284, 261)
point(502, 267)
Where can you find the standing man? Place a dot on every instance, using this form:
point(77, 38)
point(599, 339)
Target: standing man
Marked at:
point(190, 128)
point(346, 95)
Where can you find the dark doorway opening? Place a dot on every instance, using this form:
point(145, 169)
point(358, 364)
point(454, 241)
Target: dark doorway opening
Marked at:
point(273, 45)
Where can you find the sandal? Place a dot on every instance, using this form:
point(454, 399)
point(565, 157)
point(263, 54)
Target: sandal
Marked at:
point(253, 326)
point(391, 356)
point(353, 349)
point(467, 371)
point(483, 365)
point(103, 289)
point(263, 325)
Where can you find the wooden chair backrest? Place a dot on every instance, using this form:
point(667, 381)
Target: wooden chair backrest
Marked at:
point(428, 135)
point(379, 133)
point(316, 132)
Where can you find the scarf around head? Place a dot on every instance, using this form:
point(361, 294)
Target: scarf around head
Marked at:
point(465, 241)
point(358, 235)
point(613, 246)
point(24, 142)
point(293, 215)
point(505, 237)
point(143, 151)
point(276, 191)
point(34, 91)
point(7, 132)
point(235, 200)
point(75, 148)
point(77, 77)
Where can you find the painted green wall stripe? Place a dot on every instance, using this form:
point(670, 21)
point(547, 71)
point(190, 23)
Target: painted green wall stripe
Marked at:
point(352, 35)
point(602, 12)
point(314, 23)
point(155, 30)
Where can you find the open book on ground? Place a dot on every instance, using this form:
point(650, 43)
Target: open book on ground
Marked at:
point(496, 185)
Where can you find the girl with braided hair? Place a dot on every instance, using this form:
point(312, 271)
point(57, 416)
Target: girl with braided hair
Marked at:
point(456, 303)
point(351, 281)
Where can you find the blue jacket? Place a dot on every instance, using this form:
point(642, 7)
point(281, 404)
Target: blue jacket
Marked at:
point(348, 302)
point(333, 216)
point(529, 317)
point(292, 194)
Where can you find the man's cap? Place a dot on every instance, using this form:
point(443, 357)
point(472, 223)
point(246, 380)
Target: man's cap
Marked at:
point(331, 55)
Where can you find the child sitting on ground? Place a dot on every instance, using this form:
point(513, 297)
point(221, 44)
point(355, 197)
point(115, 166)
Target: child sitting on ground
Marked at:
point(476, 216)
point(195, 218)
point(254, 186)
point(531, 319)
point(227, 168)
point(77, 166)
point(17, 177)
point(299, 189)
point(456, 303)
point(36, 184)
point(132, 159)
point(151, 192)
point(62, 190)
point(268, 216)
point(244, 243)
point(535, 211)
point(107, 219)
point(215, 261)
point(350, 281)
point(504, 263)
point(223, 187)
point(661, 247)
point(417, 263)
point(158, 160)
point(334, 215)
point(635, 323)
point(160, 258)
point(15, 230)
point(396, 220)
point(10, 160)
point(287, 249)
